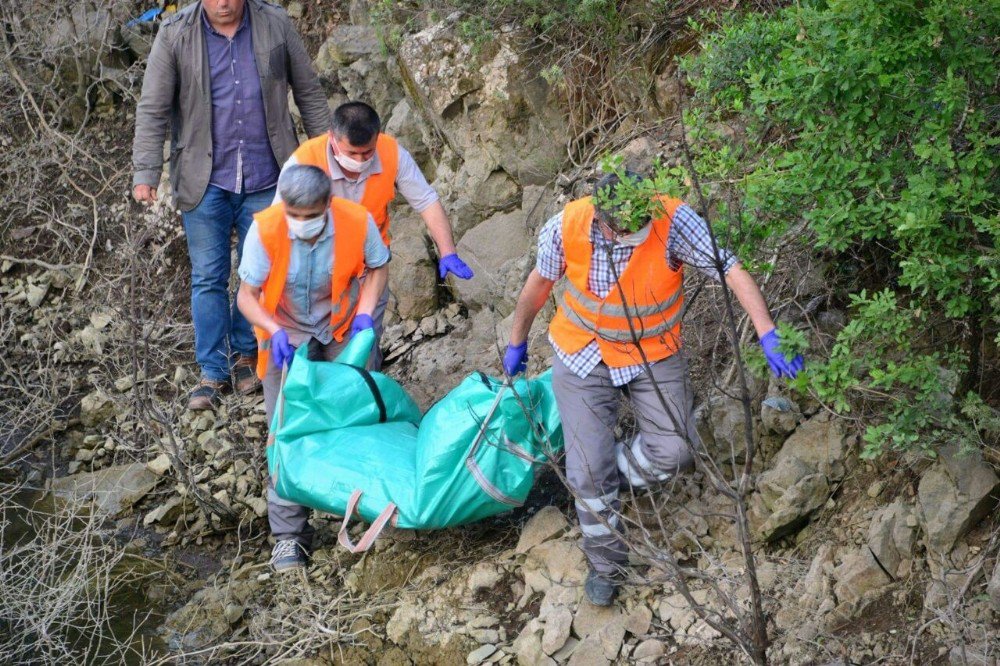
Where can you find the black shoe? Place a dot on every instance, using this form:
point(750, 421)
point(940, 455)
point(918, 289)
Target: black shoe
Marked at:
point(601, 590)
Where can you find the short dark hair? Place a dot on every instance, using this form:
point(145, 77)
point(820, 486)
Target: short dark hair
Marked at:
point(357, 121)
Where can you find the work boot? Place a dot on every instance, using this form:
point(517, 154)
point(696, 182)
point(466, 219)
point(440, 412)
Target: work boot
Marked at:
point(245, 379)
point(288, 554)
point(601, 590)
point(207, 394)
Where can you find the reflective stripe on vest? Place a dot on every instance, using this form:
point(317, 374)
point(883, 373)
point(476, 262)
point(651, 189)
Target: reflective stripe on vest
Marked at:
point(380, 188)
point(350, 227)
point(653, 301)
point(623, 335)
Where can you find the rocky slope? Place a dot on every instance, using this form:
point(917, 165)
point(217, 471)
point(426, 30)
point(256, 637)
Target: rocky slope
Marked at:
point(894, 562)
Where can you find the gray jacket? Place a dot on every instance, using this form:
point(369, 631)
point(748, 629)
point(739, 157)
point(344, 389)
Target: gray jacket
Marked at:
point(176, 91)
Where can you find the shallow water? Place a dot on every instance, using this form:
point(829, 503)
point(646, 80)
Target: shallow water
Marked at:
point(132, 611)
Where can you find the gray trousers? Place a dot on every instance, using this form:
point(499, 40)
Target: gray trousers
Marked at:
point(589, 411)
point(375, 362)
point(289, 520)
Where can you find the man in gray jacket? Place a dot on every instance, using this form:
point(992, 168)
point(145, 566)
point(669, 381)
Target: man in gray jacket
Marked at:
point(218, 75)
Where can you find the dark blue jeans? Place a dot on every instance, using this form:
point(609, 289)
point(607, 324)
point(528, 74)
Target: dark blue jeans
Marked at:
point(220, 331)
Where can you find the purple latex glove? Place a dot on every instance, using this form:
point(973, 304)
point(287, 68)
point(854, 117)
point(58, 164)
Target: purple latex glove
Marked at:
point(361, 322)
point(781, 365)
point(281, 349)
point(515, 360)
point(451, 263)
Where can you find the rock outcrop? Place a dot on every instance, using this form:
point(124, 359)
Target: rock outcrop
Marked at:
point(801, 477)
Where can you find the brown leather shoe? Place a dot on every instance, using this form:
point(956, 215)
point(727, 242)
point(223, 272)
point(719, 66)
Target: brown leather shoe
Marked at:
point(245, 375)
point(207, 394)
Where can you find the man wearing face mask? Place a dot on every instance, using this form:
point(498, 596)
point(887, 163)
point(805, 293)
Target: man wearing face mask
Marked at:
point(312, 272)
point(369, 167)
point(597, 359)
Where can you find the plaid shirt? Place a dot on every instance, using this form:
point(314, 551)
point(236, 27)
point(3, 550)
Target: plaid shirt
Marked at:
point(688, 243)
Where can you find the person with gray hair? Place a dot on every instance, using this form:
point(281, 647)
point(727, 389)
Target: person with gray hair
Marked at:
point(370, 167)
point(313, 269)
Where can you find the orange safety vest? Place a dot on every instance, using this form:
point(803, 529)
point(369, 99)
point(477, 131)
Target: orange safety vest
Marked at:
point(350, 227)
point(653, 295)
point(380, 188)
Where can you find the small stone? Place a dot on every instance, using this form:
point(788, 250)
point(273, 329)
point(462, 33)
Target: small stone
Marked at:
point(84, 455)
point(639, 620)
point(258, 505)
point(36, 293)
point(649, 649)
point(166, 512)
point(566, 651)
point(295, 10)
point(96, 408)
point(875, 489)
point(485, 636)
point(428, 326)
point(159, 465)
point(484, 576)
point(543, 526)
point(74, 467)
point(590, 618)
point(234, 612)
point(589, 653)
point(480, 655)
point(123, 384)
point(558, 623)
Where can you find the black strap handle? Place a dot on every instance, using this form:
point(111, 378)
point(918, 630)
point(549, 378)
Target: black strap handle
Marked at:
point(373, 387)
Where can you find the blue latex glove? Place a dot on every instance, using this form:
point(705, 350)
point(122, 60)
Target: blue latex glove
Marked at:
point(781, 365)
point(516, 359)
point(361, 322)
point(281, 349)
point(451, 263)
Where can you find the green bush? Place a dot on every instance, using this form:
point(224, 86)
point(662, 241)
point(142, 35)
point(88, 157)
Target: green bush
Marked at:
point(875, 126)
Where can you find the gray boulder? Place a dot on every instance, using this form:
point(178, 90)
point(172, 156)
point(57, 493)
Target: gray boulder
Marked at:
point(857, 576)
point(112, 490)
point(892, 537)
point(801, 478)
point(954, 495)
point(993, 588)
point(413, 270)
point(490, 104)
point(498, 251)
point(779, 414)
point(345, 45)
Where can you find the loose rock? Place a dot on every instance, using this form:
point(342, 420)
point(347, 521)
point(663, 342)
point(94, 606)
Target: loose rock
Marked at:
point(954, 495)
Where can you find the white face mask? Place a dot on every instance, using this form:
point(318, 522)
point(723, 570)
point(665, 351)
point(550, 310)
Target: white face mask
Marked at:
point(306, 229)
point(635, 239)
point(351, 164)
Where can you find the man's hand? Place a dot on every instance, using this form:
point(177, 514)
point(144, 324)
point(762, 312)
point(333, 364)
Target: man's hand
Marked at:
point(780, 364)
point(516, 359)
point(282, 350)
point(144, 193)
point(451, 263)
point(362, 322)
